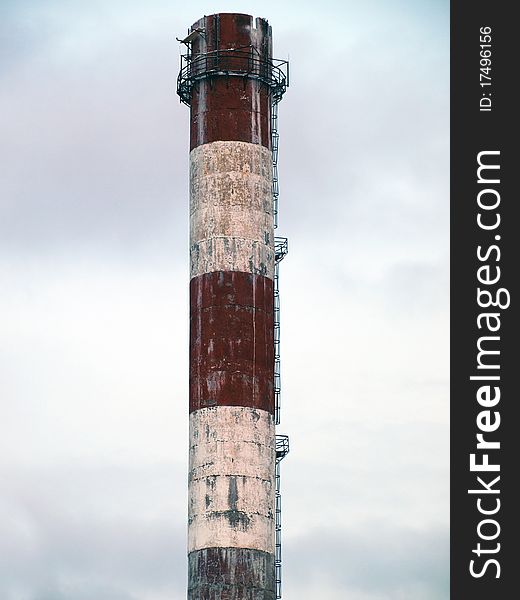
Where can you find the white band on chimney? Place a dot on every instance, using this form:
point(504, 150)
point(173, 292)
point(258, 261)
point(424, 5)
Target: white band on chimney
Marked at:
point(231, 208)
point(231, 479)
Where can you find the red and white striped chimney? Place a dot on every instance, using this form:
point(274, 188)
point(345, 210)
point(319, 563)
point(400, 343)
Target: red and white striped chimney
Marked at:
point(229, 80)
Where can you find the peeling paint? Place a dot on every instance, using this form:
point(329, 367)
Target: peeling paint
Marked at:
point(246, 117)
point(231, 495)
point(231, 574)
point(231, 312)
point(231, 482)
point(231, 254)
point(231, 209)
point(231, 108)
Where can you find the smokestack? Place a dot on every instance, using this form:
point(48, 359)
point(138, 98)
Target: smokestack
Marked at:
point(232, 85)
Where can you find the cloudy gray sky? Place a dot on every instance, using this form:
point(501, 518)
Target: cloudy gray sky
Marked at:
point(94, 291)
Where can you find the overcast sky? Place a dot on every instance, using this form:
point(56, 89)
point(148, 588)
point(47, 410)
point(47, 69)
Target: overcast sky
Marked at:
point(94, 298)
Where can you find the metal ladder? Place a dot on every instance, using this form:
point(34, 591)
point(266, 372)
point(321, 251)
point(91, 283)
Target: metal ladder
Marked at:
point(281, 248)
point(282, 449)
point(280, 251)
point(274, 149)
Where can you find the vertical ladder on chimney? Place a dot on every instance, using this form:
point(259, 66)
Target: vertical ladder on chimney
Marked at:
point(274, 149)
point(281, 248)
point(282, 449)
point(282, 441)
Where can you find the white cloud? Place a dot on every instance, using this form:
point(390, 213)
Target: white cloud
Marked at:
point(94, 284)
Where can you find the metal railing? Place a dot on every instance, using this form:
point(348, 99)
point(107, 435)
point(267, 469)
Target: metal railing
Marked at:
point(233, 62)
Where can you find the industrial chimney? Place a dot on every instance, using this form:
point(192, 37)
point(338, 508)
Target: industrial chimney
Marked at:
point(232, 85)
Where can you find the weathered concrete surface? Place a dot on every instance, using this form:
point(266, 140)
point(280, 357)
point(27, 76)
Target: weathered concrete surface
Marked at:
point(232, 440)
point(217, 116)
point(230, 574)
point(231, 341)
point(232, 437)
point(231, 108)
point(231, 206)
point(231, 479)
point(247, 166)
point(231, 254)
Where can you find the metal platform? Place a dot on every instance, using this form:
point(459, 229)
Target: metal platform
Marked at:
point(236, 62)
